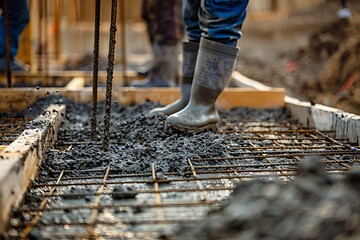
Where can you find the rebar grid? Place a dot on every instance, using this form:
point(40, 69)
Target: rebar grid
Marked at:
point(83, 207)
point(10, 129)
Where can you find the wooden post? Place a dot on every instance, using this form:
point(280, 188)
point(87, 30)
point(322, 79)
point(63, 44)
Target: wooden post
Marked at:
point(57, 29)
point(25, 52)
point(123, 41)
point(46, 44)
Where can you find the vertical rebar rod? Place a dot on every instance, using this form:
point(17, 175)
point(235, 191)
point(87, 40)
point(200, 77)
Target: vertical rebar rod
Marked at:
point(95, 69)
point(7, 43)
point(123, 42)
point(110, 72)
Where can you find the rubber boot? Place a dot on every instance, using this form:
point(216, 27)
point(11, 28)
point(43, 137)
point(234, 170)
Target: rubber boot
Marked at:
point(214, 66)
point(164, 70)
point(15, 64)
point(190, 51)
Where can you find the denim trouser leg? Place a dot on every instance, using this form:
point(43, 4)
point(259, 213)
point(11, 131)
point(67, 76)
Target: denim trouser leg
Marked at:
point(216, 20)
point(18, 19)
point(163, 20)
point(168, 21)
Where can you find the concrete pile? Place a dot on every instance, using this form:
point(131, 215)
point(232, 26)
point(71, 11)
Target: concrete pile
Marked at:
point(312, 206)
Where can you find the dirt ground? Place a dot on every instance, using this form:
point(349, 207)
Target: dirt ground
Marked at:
point(316, 57)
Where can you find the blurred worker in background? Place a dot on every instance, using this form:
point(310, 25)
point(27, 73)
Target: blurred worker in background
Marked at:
point(18, 20)
point(164, 27)
point(213, 28)
point(344, 12)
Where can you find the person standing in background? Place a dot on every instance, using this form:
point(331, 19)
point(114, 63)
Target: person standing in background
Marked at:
point(18, 20)
point(344, 12)
point(164, 29)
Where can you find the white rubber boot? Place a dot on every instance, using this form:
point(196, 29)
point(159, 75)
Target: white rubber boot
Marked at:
point(214, 66)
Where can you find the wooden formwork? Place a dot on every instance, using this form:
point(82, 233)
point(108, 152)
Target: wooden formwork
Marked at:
point(323, 118)
point(17, 99)
point(61, 78)
point(20, 161)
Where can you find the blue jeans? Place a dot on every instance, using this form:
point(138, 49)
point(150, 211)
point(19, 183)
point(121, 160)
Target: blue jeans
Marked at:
point(18, 19)
point(215, 20)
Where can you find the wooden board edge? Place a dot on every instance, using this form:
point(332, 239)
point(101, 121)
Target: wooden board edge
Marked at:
point(345, 125)
point(20, 161)
point(17, 99)
point(76, 84)
point(323, 118)
point(61, 78)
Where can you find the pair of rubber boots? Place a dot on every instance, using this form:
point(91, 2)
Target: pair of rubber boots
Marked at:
point(164, 70)
point(207, 68)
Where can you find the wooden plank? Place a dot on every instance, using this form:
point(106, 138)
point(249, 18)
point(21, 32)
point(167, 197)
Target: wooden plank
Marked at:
point(240, 80)
point(323, 118)
point(20, 161)
point(57, 28)
point(17, 99)
point(76, 84)
point(61, 78)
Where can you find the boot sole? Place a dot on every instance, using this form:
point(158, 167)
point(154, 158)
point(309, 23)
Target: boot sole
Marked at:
point(210, 127)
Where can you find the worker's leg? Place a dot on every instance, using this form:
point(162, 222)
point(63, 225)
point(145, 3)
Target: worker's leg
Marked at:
point(147, 14)
point(220, 22)
point(168, 22)
point(166, 45)
point(190, 51)
point(18, 19)
point(191, 10)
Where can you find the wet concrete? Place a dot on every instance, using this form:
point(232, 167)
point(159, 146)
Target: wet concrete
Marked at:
point(313, 206)
point(138, 141)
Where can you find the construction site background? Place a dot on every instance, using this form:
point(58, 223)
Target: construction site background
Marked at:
point(276, 47)
point(65, 27)
point(314, 55)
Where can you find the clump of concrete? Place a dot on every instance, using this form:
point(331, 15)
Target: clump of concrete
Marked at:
point(123, 192)
point(313, 206)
